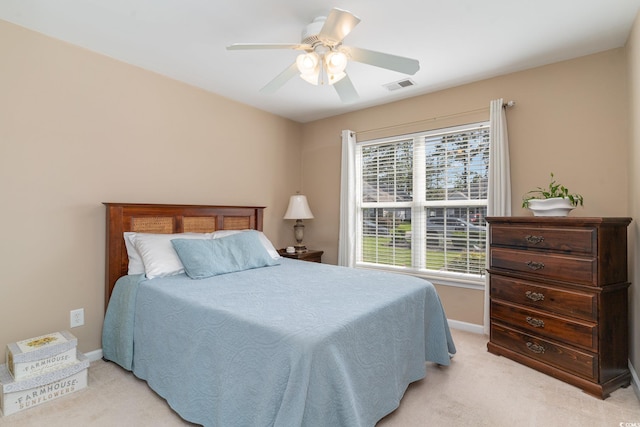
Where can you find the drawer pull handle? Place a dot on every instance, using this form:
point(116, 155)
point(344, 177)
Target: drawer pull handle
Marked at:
point(535, 265)
point(536, 323)
point(535, 348)
point(534, 296)
point(534, 239)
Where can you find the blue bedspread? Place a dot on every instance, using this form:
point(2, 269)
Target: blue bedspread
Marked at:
point(298, 344)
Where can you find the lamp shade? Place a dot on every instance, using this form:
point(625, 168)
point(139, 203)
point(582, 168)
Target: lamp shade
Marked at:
point(298, 208)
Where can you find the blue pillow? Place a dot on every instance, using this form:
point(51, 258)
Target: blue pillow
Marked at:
point(210, 257)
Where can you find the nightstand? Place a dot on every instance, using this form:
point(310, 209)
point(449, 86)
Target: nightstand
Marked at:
point(309, 255)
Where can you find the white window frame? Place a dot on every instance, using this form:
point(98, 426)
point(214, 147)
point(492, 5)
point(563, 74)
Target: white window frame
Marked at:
point(418, 211)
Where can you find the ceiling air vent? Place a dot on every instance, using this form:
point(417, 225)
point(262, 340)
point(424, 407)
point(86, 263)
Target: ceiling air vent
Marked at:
point(400, 84)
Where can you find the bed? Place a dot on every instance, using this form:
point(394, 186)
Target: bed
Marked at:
point(242, 337)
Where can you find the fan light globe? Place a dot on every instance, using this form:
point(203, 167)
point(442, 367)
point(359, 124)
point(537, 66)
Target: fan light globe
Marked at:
point(335, 62)
point(307, 62)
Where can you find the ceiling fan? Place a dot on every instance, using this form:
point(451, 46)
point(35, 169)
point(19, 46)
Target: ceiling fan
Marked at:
point(325, 57)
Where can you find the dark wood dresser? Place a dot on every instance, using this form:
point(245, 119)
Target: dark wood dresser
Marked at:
point(558, 288)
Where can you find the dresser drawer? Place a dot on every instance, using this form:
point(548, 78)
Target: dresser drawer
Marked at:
point(580, 333)
point(574, 240)
point(578, 362)
point(565, 302)
point(544, 265)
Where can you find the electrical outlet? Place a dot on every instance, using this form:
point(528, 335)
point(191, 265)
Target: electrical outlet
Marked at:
point(77, 317)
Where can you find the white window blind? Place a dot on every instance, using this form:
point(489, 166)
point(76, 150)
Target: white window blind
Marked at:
point(422, 201)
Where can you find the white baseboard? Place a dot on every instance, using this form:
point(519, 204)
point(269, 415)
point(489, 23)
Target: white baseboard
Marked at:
point(94, 355)
point(464, 326)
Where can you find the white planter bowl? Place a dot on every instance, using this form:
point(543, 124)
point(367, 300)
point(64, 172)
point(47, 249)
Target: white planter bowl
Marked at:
point(551, 207)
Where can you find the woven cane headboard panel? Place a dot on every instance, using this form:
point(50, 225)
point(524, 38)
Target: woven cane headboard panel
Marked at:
point(152, 218)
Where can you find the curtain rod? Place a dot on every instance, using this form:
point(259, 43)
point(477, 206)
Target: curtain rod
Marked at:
point(436, 118)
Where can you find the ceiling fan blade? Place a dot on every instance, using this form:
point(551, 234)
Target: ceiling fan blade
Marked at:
point(254, 46)
point(281, 79)
point(384, 60)
point(339, 23)
point(346, 91)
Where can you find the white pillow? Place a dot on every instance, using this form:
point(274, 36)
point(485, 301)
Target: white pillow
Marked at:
point(135, 260)
point(157, 253)
point(263, 239)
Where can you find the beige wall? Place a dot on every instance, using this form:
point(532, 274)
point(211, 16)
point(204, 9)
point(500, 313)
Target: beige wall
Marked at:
point(570, 118)
point(633, 58)
point(78, 129)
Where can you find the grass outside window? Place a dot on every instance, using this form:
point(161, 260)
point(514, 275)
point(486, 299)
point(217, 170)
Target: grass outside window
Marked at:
point(395, 251)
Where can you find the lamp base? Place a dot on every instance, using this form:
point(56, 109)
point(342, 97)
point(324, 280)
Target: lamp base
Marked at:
point(298, 230)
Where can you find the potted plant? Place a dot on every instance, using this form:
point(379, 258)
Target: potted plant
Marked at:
point(555, 200)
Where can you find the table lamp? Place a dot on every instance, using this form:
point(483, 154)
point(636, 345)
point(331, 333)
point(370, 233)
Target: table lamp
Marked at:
point(298, 209)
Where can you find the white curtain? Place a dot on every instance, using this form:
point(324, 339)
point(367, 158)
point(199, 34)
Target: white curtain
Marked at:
point(499, 190)
point(347, 235)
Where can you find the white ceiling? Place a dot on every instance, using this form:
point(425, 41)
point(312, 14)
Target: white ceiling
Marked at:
point(456, 41)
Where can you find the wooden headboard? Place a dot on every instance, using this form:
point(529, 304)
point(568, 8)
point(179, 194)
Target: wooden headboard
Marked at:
point(152, 218)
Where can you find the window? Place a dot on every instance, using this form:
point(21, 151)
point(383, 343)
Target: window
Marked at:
point(422, 202)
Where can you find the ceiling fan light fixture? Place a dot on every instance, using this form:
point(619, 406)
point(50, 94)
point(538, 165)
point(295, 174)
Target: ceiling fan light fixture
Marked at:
point(309, 66)
point(335, 62)
point(307, 62)
point(325, 57)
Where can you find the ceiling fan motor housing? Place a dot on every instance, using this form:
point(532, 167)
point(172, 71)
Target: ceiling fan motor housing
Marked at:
point(311, 31)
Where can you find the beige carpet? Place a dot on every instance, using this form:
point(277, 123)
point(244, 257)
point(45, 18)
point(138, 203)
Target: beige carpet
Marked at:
point(478, 389)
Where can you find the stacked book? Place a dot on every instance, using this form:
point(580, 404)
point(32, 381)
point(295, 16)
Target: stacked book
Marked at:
point(41, 369)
